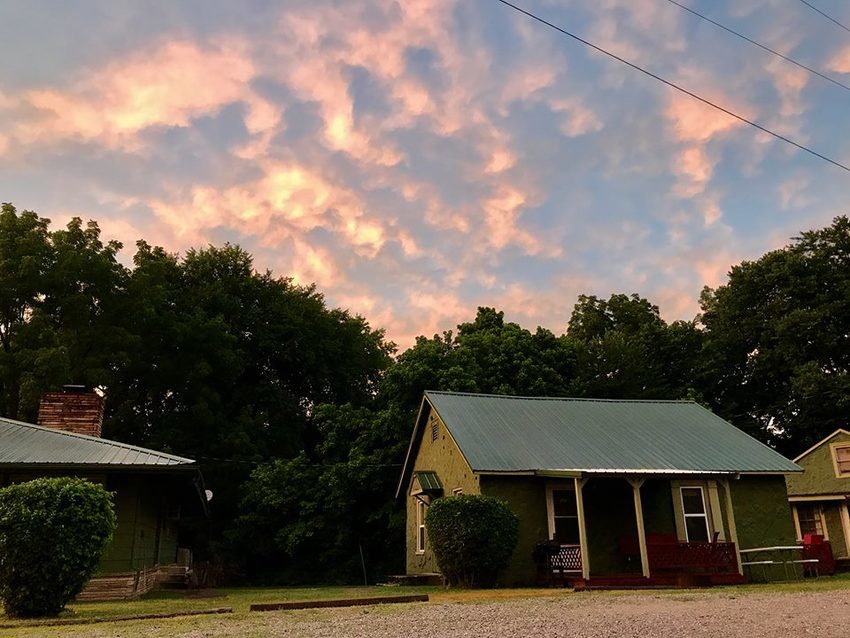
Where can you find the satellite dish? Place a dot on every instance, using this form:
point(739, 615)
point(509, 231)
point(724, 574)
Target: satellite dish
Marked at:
point(208, 494)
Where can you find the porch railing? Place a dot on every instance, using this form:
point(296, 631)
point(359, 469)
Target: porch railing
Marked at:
point(692, 557)
point(556, 563)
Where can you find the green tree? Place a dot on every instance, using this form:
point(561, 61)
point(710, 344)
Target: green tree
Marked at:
point(52, 534)
point(626, 350)
point(777, 353)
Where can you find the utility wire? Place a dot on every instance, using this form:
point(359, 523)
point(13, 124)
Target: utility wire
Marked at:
point(825, 15)
point(654, 76)
point(761, 46)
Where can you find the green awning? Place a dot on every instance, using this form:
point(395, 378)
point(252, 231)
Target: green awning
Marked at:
point(428, 482)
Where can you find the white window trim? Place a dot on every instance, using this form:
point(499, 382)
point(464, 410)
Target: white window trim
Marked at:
point(704, 514)
point(457, 491)
point(833, 448)
point(550, 504)
point(818, 512)
point(420, 525)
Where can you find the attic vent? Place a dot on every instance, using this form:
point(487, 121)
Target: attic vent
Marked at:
point(435, 429)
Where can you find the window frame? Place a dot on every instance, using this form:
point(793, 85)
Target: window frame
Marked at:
point(457, 491)
point(817, 515)
point(550, 508)
point(836, 464)
point(420, 525)
point(704, 515)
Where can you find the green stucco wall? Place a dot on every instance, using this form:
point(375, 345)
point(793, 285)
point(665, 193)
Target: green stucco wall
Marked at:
point(443, 457)
point(832, 516)
point(818, 476)
point(526, 497)
point(762, 513)
point(144, 536)
point(657, 507)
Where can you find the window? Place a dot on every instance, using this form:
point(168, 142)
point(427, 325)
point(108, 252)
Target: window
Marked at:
point(435, 429)
point(696, 519)
point(811, 520)
point(564, 517)
point(420, 526)
point(841, 456)
point(457, 491)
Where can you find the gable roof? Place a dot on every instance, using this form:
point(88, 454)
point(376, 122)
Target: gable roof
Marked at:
point(821, 442)
point(25, 444)
point(497, 433)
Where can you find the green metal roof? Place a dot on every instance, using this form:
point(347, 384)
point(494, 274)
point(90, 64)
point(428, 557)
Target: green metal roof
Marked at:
point(499, 433)
point(23, 444)
point(428, 481)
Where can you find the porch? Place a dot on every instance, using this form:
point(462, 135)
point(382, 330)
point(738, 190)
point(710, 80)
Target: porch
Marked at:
point(637, 531)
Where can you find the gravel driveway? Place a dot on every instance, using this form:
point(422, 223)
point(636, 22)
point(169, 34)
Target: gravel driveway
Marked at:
point(596, 615)
point(718, 613)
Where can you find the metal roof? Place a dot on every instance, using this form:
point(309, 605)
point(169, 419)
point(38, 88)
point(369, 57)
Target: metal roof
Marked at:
point(499, 433)
point(27, 444)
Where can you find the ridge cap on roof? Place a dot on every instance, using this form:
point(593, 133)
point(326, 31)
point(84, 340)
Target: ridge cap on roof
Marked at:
point(548, 398)
point(127, 446)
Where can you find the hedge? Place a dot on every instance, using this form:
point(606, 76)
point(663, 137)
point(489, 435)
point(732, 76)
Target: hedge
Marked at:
point(472, 537)
point(52, 534)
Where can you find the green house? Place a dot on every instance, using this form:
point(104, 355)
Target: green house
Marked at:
point(820, 496)
point(631, 492)
point(155, 494)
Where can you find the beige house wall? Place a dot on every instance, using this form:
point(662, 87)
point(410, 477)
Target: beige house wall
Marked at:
point(440, 455)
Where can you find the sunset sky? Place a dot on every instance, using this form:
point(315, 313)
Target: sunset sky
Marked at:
point(419, 158)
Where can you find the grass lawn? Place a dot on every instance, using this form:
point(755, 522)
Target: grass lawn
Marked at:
point(240, 598)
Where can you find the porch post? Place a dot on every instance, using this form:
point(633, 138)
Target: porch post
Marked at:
point(733, 531)
point(582, 529)
point(644, 554)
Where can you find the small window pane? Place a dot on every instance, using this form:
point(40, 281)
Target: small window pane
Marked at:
point(842, 459)
point(566, 531)
point(692, 500)
point(697, 531)
point(564, 502)
point(421, 545)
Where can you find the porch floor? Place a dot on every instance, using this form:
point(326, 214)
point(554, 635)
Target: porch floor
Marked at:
point(657, 581)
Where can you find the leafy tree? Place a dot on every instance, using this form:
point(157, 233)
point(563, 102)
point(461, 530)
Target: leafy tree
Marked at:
point(777, 354)
point(52, 534)
point(626, 350)
point(314, 515)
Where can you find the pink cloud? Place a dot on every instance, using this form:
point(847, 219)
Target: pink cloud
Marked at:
point(167, 85)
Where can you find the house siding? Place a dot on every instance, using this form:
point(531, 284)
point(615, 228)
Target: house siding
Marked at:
point(762, 513)
point(443, 457)
point(819, 475)
point(526, 497)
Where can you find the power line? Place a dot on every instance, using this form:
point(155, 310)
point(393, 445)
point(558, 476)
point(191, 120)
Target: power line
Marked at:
point(654, 76)
point(825, 15)
point(760, 46)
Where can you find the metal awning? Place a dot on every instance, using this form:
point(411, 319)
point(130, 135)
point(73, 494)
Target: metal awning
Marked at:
point(426, 482)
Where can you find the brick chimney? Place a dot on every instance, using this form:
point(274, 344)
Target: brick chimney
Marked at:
point(75, 409)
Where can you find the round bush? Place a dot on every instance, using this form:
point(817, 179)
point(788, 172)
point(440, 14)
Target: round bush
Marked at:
point(52, 534)
point(472, 538)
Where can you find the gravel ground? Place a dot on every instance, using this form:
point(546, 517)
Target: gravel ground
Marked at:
point(599, 616)
point(590, 614)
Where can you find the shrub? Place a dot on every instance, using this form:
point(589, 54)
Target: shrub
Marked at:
point(52, 534)
point(472, 538)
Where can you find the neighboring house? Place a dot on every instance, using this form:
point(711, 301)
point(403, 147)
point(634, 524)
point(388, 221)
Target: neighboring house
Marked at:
point(155, 492)
point(632, 492)
point(820, 496)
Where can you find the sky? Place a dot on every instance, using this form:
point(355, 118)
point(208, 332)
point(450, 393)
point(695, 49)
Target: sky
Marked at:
point(419, 158)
